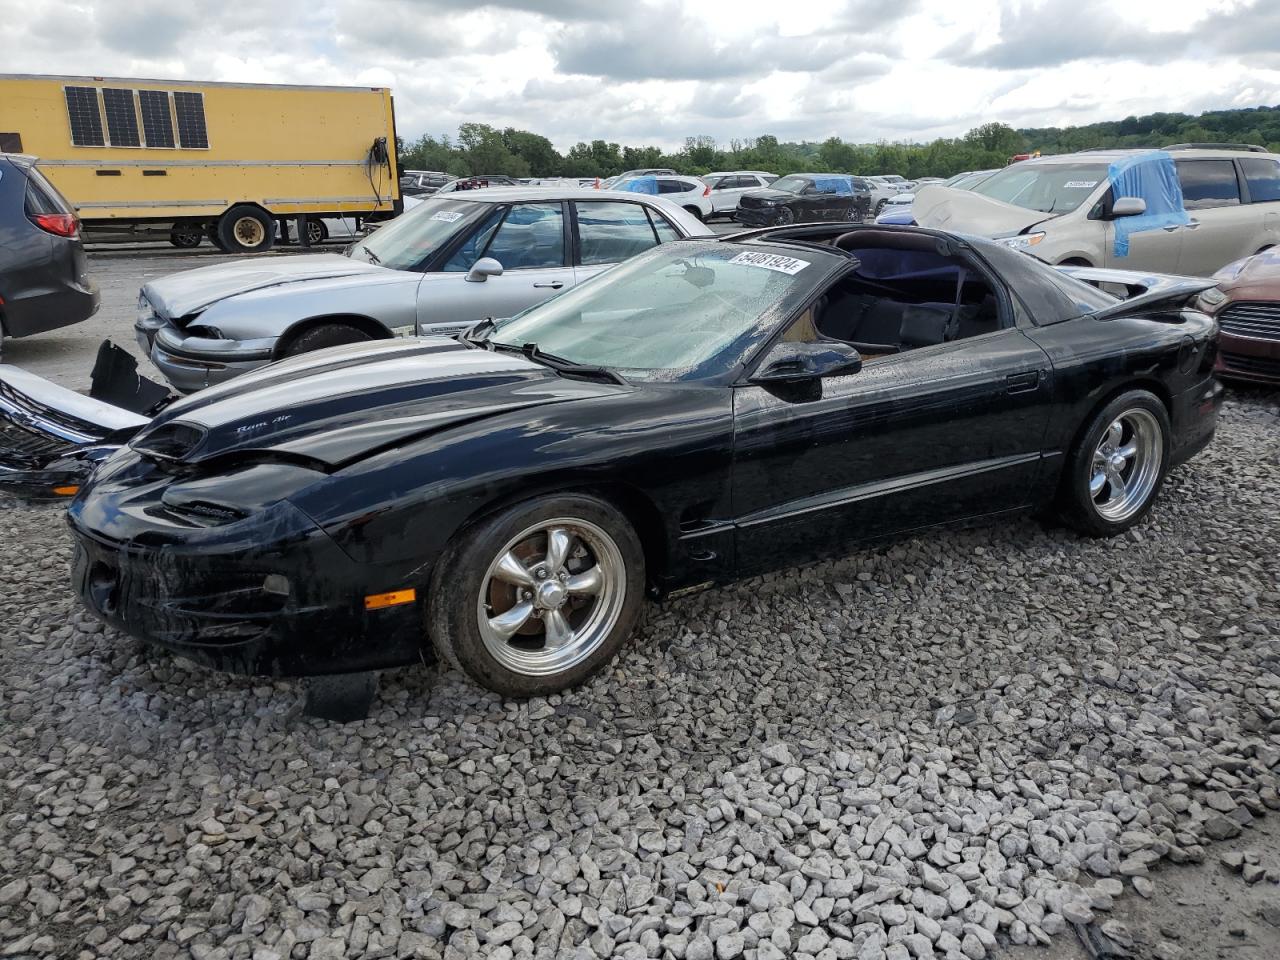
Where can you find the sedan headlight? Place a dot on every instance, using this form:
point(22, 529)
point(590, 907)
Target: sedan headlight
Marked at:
point(145, 310)
point(1023, 241)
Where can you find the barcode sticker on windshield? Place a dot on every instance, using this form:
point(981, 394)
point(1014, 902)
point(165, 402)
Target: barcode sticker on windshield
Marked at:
point(772, 261)
point(447, 216)
point(1080, 184)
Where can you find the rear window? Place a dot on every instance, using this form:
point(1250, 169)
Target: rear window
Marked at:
point(1263, 178)
point(43, 196)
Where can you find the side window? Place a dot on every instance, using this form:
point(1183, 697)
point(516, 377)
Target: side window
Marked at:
point(666, 232)
point(1208, 183)
point(531, 237)
point(612, 231)
point(470, 251)
point(1263, 177)
point(670, 186)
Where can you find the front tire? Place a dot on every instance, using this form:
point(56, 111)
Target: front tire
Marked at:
point(1116, 469)
point(246, 229)
point(538, 597)
point(325, 335)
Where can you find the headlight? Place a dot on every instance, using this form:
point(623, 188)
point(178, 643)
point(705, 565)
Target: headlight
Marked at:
point(144, 309)
point(1023, 241)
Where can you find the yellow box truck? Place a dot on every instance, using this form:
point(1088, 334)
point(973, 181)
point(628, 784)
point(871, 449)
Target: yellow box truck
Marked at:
point(218, 160)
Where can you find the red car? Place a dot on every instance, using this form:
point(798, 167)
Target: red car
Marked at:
point(1249, 318)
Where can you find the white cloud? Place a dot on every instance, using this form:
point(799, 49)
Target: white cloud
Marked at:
point(656, 71)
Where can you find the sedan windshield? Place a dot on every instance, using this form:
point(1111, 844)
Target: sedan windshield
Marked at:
point(681, 312)
point(1047, 187)
point(407, 241)
point(790, 184)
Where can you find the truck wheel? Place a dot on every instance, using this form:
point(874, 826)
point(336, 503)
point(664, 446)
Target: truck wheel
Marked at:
point(186, 236)
point(325, 335)
point(246, 229)
point(211, 233)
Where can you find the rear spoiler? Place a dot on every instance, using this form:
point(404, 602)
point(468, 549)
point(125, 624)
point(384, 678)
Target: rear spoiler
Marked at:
point(1142, 290)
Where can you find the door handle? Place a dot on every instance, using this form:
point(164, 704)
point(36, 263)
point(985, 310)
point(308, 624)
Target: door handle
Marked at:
point(552, 284)
point(1172, 227)
point(1192, 224)
point(1023, 382)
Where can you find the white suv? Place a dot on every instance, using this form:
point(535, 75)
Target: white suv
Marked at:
point(728, 186)
point(1189, 208)
point(686, 191)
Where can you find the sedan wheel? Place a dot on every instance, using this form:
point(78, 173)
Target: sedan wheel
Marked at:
point(1117, 466)
point(785, 216)
point(539, 597)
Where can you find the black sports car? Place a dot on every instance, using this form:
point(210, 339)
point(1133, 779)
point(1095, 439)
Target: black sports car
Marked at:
point(806, 198)
point(706, 410)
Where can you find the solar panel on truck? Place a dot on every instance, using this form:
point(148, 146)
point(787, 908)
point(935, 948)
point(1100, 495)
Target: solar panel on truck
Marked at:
point(157, 122)
point(122, 118)
point(192, 133)
point(86, 121)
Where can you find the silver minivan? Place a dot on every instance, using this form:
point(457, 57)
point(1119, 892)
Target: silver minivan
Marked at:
point(1185, 209)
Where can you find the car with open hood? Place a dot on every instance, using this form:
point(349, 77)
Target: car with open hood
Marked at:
point(453, 259)
point(710, 409)
point(1188, 209)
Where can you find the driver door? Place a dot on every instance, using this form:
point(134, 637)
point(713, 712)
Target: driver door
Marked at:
point(529, 240)
point(930, 435)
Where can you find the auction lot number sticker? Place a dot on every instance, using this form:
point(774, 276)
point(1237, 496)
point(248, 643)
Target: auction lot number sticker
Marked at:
point(772, 261)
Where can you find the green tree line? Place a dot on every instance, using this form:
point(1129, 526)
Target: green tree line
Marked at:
point(479, 148)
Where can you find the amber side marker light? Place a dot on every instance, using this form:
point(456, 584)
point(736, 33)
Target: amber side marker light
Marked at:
point(377, 601)
point(66, 491)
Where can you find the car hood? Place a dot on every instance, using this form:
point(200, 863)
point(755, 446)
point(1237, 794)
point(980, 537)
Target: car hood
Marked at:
point(189, 292)
point(1253, 278)
point(333, 407)
point(962, 211)
point(771, 195)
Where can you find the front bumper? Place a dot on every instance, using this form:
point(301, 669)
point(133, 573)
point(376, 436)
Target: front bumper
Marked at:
point(1248, 358)
point(758, 216)
point(1194, 415)
point(198, 590)
point(191, 362)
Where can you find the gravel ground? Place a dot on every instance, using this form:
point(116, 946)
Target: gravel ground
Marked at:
point(942, 748)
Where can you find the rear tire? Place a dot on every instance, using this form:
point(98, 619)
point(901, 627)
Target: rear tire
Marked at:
point(524, 617)
point(317, 232)
point(697, 213)
point(246, 229)
point(1113, 475)
point(186, 237)
point(325, 335)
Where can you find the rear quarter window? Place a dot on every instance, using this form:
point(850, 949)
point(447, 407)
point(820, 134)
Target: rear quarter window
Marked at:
point(42, 196)
point(1262, 176)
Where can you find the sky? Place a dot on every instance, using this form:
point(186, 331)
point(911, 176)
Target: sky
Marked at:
point(654, 72)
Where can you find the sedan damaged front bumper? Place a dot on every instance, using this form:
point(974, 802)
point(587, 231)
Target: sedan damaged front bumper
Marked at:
point(191, 361)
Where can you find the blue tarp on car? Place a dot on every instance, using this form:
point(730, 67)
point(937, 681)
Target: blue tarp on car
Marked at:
point(647, 185)
point(1152, 177)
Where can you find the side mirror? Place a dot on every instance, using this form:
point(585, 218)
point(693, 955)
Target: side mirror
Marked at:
point(483, 269)
point(1128, 207)
point(798, 362)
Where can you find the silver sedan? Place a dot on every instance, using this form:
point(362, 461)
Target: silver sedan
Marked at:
point(437, 269)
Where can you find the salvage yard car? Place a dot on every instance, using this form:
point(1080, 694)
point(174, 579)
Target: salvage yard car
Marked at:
point(452, 260)
point(1188, 209)
point(710, 409)
point(806, 198)
point(1247, 307)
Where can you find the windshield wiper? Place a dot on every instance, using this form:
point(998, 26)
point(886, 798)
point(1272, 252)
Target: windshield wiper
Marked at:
point(373, 257)
point(560, 364)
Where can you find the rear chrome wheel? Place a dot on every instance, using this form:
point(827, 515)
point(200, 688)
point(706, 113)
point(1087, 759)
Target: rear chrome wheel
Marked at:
point(1115, 469)
point(1126, 465)
point(539, 596)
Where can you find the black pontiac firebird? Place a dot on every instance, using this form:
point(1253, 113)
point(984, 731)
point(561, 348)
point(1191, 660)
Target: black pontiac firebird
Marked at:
point(705, 411)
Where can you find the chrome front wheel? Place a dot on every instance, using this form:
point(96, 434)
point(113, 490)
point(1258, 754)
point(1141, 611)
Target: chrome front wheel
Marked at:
point(1126, 466)
point(551, 596)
